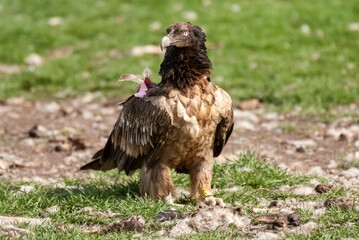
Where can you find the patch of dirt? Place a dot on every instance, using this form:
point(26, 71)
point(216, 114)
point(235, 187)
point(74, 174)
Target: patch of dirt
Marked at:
point(45, 141)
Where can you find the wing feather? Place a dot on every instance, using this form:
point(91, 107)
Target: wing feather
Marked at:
point(138, 135)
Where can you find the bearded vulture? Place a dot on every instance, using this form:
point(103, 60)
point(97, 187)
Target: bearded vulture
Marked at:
point(180, 123)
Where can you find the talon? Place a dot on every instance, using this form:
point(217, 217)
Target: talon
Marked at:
point(212, 201)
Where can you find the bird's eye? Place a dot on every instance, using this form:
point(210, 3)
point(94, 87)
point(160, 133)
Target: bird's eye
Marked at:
point(185, 33)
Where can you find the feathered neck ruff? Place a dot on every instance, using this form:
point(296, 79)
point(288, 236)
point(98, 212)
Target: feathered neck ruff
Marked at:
point(184, 67)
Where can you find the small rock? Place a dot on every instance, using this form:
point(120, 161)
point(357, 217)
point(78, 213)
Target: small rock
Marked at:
point(271, 116)
point(9, 69)
point(302, 190)
point(352, 157)
point(353, 26)
point(270, 125)
point(249, 104)
point(37, 131)
point(316, 171)
point(305, 29)
point(53, 209)
point(266, 235)
point(314, 182)
point(319, 211)
point(25, 189)
point(19, 220)
point(246, 125)
point(305, 143)
point(351, 172)
point(245, 115)
point(304, 229)
point(4, 165)
point(190, 15)
point(34, 60)
point(321, 188)
point(14, 232)
point(54, 21)
point(332, 164)
point(155, 26)
point(168, 215)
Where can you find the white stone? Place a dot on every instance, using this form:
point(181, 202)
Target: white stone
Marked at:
point(266, 235)
point(54, 21)
point(155, 26)
point(245, 115)
point(302, 190)
point(270, 125)
point(246, 125)
point(305, 143)
point(53, 209)
point(314, 182)
point(4, 165)
point(316, 171)
point(190, 15)
point(305, 228)
point(305, 29)
point(34, 60)
point(352, 157)
point(332, 164)
point(283, 166)
point(351, 172)
point(26, 189)
point(271, 116)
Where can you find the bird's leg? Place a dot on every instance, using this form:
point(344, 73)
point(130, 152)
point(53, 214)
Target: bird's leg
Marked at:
point(201, 176)
point(156, 182)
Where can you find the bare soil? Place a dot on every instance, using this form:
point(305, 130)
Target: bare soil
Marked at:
point(45, 141)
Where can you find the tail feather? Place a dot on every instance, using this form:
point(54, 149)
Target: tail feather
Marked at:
point(95, 164)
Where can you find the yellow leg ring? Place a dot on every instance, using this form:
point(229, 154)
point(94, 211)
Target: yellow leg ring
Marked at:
point(205, 193)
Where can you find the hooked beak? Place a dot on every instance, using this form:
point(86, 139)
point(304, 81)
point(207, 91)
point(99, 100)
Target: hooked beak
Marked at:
point(166, 41)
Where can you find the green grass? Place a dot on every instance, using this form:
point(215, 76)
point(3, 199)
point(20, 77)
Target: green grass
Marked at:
point(120, 194)
point(263, 52)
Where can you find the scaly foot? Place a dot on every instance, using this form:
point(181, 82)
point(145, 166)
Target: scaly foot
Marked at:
point(212, 201)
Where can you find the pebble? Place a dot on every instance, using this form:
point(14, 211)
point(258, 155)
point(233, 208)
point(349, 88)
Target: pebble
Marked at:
point(270, 125)
point(246, 125)
point(34, 60)
point(351, 172)
point(305, 228)
point(305, 143)
point(316, 171)
point(25, 189)
point(302, 190)
point(245, 115)
point(4, 165)
point(53, 209)
point(266, 235)
point(352, 157)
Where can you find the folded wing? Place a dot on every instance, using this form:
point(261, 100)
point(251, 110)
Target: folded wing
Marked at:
point(138, 135)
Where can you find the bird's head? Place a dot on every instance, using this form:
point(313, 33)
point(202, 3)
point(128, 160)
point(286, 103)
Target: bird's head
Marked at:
point(183, 34)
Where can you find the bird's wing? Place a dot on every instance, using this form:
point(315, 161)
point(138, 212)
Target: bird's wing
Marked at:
point(138, 135)
point(225, 126)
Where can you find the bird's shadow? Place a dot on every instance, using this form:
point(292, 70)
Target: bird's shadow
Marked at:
point(119, 191)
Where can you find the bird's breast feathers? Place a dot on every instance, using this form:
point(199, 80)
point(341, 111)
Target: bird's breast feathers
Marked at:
point(198, 111)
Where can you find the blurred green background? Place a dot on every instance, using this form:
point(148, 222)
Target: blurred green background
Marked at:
point(287, 53)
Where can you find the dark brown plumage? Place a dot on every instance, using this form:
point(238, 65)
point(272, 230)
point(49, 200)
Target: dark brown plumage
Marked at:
point(181, 123)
